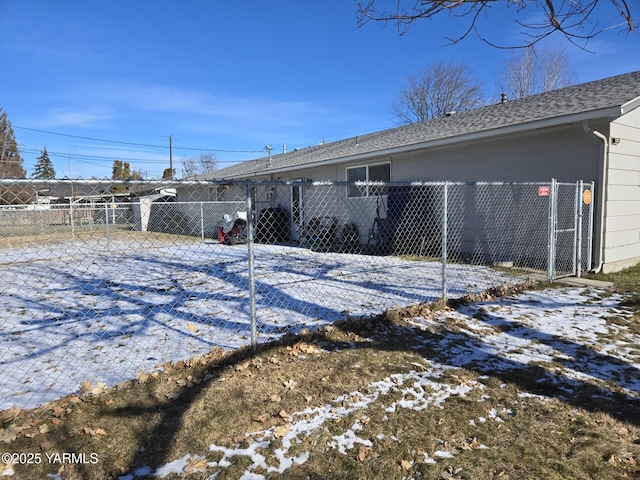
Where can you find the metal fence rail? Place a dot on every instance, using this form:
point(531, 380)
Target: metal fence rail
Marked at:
point(103, 280)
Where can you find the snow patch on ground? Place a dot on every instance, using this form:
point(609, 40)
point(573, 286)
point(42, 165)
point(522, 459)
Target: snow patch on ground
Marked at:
point(75, 312)
point(110, 317)
point(565, 324)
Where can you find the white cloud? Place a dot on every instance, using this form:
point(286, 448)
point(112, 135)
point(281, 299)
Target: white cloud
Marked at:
point(170, 99)
point(201, 112)
point(67, 117)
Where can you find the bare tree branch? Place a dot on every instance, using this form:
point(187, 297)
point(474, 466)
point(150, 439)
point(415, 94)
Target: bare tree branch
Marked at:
point(206, 163)
point(573, 19)
point(440, 89)
point(535, 70)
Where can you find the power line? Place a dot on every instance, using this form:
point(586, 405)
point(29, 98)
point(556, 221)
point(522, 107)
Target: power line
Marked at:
point(89, 138)
point(83, 156)
point(78, 156)
point(93, 139)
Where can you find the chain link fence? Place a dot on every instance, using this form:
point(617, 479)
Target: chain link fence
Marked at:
point(104, 280)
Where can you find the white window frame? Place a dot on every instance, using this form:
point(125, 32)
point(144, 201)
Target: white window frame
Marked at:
point(367, 192)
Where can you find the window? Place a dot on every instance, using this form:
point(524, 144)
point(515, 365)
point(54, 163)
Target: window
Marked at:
point(380, 172)
point(216, 194)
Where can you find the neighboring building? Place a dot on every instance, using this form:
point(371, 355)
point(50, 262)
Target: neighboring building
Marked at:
point(587, 132)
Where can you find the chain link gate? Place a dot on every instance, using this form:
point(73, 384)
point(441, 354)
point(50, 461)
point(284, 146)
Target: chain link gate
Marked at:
point(570, 229)
point(103, 280)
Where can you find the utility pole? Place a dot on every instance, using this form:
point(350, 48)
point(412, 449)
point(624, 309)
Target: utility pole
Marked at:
point(170, 157)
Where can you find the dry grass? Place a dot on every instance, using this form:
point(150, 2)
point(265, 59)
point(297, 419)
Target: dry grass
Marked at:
point(84, 233)
point(224, 398)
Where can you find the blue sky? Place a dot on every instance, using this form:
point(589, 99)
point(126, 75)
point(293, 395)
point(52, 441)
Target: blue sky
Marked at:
point(228, 77)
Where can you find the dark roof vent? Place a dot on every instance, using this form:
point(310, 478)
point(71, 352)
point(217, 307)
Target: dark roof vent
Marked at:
point(503, 98)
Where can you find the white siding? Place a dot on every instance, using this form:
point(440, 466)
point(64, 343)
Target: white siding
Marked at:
point(622, 237)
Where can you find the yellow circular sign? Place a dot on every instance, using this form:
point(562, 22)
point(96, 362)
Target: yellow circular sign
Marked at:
point(586, 197)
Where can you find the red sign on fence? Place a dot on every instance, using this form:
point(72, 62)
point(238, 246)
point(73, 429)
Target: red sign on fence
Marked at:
point(544, 190)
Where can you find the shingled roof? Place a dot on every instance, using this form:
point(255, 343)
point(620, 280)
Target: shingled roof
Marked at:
point(609, 97)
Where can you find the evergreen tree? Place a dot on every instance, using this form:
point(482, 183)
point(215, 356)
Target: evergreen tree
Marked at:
point(118, 170)
point(119, 173)
point(126, 171)
point(168, 173)
point(122, 171)
point(10, 160)
point(43, 169)
point(11, 166)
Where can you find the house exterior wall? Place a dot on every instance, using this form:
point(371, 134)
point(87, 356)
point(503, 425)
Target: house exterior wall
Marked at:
point(567, 154)
point(622, 234)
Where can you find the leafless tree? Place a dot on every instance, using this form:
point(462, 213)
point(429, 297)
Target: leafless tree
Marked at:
point(441, 88)
point(576, 20)
point(535, 70)
point(206, 163)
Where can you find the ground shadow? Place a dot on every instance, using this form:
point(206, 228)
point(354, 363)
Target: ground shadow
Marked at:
point(444, 345)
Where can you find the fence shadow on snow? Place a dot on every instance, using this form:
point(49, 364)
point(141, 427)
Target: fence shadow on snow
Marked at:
point(101, 273)
point(443, 347)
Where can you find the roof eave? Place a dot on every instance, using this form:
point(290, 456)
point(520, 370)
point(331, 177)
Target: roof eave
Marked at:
point(564, 120)
point(630, 105)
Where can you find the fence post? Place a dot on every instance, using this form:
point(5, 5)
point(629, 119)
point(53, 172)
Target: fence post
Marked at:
point(252, 279)
point(71, 222)
point(202, 221)
point(106, 221)
point(590, 232)
point(445, 195)
point(578, 232)
point(551, 241)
